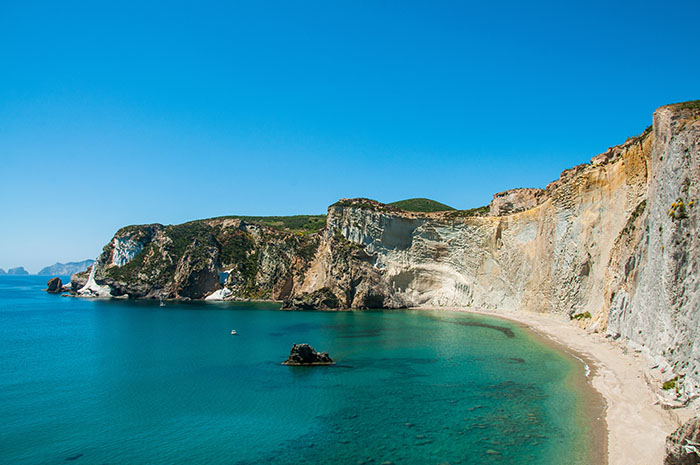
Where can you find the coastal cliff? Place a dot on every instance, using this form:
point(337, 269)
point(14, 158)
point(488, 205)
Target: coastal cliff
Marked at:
point(613, 244)
point(242, 258)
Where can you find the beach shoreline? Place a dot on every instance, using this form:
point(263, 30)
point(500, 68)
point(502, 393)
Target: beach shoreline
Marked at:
point(635, 424)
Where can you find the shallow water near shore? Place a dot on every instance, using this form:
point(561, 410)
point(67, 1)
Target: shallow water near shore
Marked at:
point(86, 381)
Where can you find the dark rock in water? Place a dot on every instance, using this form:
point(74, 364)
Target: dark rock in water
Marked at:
point(54, 286)
point(304, 354)
point(682, 445)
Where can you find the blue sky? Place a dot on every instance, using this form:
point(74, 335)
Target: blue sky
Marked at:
point(141, 112)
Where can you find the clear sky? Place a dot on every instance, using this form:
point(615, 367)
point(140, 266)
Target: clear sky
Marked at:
point(116, 113)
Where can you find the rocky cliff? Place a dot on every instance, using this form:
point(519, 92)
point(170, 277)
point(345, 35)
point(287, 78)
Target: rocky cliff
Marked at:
point(612, 243)
point(548, 251)
point(652, 290)
point(219, 258)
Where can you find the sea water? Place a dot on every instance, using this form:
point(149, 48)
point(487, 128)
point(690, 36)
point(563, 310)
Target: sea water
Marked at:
point(124, 382)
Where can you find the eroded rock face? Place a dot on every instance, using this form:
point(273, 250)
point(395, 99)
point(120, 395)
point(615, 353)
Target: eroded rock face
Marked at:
point(344, 273)
point(54, 286)
point(683, 445)
point(322, 299)
point(305, 355)
point(515, 200)
point(125, 249)
point(197, 272)
point(78, 280)
point(549, 258)
point(653, 285)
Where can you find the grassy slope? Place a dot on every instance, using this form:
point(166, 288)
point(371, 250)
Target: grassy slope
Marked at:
point(421, 205)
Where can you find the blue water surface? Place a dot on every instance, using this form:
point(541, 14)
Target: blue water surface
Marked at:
point(122, 382)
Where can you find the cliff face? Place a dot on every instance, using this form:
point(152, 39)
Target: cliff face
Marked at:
point(229, 256)
point(552, 257)
point(653, 286)
point(515, 200)
point(613, 243)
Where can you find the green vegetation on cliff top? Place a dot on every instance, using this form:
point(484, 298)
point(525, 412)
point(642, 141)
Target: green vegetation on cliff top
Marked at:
point(296, 223)
point(689, 105)
point(478, 211)
point(412, 205)
point(421, 205)
point(365, 203)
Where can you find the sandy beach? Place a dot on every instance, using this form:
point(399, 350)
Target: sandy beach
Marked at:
point(636, 425)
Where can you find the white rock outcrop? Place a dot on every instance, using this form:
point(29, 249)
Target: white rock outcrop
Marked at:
point(92, 289)
point(125, 249)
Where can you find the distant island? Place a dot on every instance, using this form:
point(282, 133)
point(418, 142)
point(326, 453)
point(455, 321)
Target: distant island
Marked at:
point(65, 269)
point(18, 270)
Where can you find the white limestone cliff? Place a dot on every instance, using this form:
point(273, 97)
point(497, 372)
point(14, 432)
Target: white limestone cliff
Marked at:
point(614, 243)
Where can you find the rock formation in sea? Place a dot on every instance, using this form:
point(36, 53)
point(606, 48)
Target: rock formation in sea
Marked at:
point(54, 286)
point(65, 269)
point(304, 354)
point(612, 243)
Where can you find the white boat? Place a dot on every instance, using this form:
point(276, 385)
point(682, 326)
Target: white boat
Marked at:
point(233, 332)
point(162, 304)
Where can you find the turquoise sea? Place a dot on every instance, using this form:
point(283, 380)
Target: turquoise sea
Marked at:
point(119, 382)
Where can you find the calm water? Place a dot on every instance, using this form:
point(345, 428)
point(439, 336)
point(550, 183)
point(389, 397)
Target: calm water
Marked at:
point(119, 382)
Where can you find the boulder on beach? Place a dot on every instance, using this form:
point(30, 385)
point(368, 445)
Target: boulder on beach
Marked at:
point(305, 355)
point(54, 286)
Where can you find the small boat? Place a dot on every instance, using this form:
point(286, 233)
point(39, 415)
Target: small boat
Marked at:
point(233, 332)
point(162, 304)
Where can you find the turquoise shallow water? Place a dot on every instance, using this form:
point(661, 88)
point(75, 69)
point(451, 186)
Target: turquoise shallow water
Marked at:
point(84, 381)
